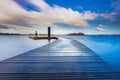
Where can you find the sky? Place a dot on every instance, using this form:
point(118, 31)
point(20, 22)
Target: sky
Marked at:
point(64, 16)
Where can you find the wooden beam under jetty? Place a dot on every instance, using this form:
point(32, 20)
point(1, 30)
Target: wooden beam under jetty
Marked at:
point(39, 38)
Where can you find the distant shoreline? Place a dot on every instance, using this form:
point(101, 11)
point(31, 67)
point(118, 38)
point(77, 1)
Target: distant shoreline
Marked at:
point(60, 34)
point(56, 35)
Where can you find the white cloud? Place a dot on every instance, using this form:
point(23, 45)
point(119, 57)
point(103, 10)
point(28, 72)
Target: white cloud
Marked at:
point(80, 7)
point(100, 28)
point(11, 12)
point(116, 5)
point(7, 28)
point(109, 16)
point(17, 29)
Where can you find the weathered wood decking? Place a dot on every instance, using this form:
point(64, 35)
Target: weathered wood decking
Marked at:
point(64, 59)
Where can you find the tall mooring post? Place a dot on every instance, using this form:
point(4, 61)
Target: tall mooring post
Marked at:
point(49, 33)
point(36, 34)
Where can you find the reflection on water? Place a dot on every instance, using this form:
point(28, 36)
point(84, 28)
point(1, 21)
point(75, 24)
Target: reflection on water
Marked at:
point(13, 45)
point(65, 46)
point(107, 47)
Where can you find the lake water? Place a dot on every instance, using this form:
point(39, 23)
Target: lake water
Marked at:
point(107, 47)
point(14, 45)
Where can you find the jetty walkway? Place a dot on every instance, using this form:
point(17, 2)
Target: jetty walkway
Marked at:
point(64, 59)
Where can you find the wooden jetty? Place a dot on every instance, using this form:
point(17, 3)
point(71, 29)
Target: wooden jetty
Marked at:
point(64, 59)
point(39, 38)
point(49, 37)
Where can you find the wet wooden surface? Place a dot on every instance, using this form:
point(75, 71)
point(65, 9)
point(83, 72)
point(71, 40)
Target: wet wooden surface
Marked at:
point(64, 59)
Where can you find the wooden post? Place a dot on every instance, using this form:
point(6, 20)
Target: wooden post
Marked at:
point(36, 34)
point(49, 33)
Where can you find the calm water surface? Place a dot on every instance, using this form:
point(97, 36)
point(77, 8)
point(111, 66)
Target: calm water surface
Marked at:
point(107, 47)
point(13, 45)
